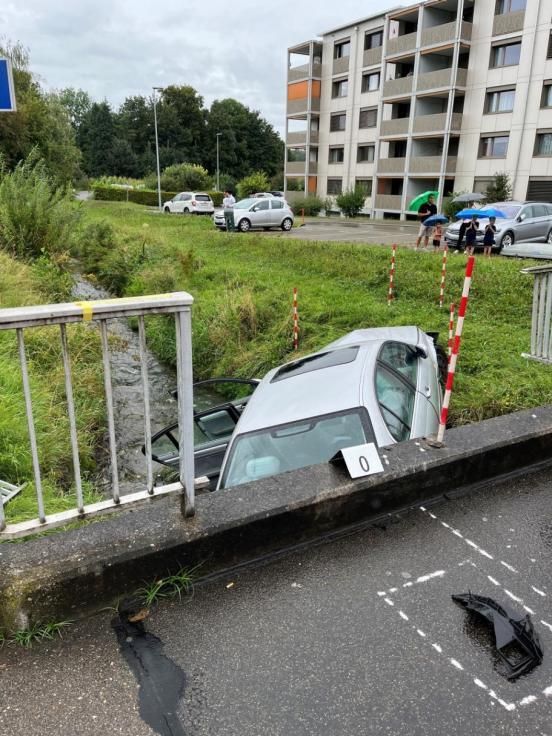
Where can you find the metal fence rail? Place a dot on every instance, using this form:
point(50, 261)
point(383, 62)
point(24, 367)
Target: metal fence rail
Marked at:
point(541, 323)
point(21, 319)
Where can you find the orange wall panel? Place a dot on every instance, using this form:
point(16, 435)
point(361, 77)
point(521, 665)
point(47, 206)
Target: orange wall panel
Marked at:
point(300, 90)
point(312, 184)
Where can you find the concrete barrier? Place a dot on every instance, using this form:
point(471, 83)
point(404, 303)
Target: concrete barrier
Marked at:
point(70, 574)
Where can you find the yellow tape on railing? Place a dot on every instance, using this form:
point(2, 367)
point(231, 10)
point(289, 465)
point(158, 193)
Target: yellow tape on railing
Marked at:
point(87, 310)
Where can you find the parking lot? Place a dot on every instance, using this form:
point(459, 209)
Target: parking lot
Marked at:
point(357, 634)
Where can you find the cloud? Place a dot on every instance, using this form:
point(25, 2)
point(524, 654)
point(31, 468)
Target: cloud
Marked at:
point(114, 49)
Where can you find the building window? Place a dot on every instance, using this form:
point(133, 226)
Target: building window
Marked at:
point(543, 144)
point(495, 146)
point(505, 55)
point(335, 186)
point(546, 100)
point(365, 185)
point(500, 101)
point(368, 118)
point(509, 6)
point(370, 82)
point(337, 122)
point(340, 88)
point(296, 154)
point(365, 154)
point(342, 50)
point(373, 40)
point(336, 155)
point(549, 50)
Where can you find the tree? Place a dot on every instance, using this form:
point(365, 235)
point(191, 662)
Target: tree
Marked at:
point(181, 122)
point(96, 137)
point(40, 122)
point(256, 182)
point(122, 159)
point(500, 190)
point(182, 177)
point(135, 124)
point(76, 102)
point(351, 202)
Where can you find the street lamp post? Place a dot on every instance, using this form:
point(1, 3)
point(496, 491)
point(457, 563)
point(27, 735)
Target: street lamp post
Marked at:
point(218, 162)
point(155, 89)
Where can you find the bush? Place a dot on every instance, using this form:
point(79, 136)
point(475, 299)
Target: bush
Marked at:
point(36, 216)
point(138, 196)
point(256, 182)
point(500, 190)
point(311, 204)
point(351, 202)
point(182, 178)
point(217, 198)
point(450, 208)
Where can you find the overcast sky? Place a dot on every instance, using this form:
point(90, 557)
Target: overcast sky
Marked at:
point(114, 49)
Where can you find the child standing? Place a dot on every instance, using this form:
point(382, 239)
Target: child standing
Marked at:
point(471, 235)
point(437, 235)
point(489, 236)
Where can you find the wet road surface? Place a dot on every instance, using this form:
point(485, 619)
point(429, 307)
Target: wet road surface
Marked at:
point(355, 635)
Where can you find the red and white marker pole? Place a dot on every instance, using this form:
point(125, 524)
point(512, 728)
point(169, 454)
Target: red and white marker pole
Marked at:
point(455, 348)
point(295, 321)
point(451, 328)
point(443, 277)
point(391, 292)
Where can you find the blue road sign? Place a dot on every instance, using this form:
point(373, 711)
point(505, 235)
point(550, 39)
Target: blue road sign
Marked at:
point(7, 93)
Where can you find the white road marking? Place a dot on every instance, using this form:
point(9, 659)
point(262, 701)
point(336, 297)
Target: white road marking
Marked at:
point(528, 700)
point(421, 633)
point(526, 608)
point(433, 516)
point(548, 626)
point(402, 614)
point(493, 581)
point(408, 585)
point(507, 566)
point(423, 508)
point(457, 533)
point(539, 592)
point(393, 590)
point(425, 578)
point(389, 601)
point(437, 648)
point(480, 684)
point(547, 692)
point(456, 664)
point(513, 597)
point(447, 526)
point(382, 593)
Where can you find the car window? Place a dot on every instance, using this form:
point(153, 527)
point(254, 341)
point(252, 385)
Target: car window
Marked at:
point(295, 445)
point(186, 197)
point(177, 198)
point(277, 205)
point(539, 210)
point(202, 197)
point(402, 358)
point(527, 212)
point(396, 400)
point(217, 425)
point(263, 204)
point(316, 362)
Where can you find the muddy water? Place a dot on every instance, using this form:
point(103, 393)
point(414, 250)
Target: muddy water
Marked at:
point(128, 401)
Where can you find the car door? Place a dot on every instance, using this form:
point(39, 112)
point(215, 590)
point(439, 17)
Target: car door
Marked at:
point(176, 203)
point(259, 213)
point(276, 210)
point(527, 226)
point(542, 221)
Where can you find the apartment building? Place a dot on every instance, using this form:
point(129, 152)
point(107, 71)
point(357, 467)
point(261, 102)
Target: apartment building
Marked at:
point(438, 95)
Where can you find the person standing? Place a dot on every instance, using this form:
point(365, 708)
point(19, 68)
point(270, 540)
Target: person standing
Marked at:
point(489, 236)
point(426, 210)
point(471, 235)
point(228, 203)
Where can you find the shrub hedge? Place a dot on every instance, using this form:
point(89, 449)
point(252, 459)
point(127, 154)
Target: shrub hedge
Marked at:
point(147, 197)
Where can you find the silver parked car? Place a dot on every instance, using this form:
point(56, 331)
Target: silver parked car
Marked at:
point(265, 212)
point(377, 385)
point(524, 222)
point(188, 203)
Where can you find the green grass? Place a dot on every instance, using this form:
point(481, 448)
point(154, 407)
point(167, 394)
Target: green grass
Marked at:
point(36, 633)
point(168, 587)
point(21, 284)
point(242, 286)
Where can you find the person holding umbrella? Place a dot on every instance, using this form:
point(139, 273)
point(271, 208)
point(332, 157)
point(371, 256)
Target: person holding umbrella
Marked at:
point(425, 211)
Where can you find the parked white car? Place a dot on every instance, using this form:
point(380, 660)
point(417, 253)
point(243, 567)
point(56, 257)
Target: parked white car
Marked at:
point(190, 203)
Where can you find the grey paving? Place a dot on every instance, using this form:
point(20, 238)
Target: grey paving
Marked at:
point(356, 635)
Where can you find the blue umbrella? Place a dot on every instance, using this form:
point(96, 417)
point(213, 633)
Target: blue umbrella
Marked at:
point(491, 212)
point(469, 212)
point(435, 219)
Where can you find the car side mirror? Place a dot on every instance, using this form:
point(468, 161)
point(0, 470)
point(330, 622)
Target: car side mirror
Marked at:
point(521, 218)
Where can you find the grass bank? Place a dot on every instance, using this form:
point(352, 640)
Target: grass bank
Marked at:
point(242, 286)
point(43, 282)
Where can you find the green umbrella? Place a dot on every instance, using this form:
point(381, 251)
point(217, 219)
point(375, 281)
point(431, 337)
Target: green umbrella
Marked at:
point(421, 199)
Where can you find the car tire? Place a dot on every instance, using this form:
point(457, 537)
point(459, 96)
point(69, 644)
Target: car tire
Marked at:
point(167, 210)
point(506, 240)
point(287, 224)
point(185, 211)
point(549, 238)
point(442, 364)
point(244, 225)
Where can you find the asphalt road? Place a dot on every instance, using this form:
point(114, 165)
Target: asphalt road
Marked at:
point(355, 635)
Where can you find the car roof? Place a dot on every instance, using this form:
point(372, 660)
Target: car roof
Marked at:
point(323, 390)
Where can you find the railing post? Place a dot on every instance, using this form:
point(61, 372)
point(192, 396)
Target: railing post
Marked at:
point(541, 317)
point(183, 325)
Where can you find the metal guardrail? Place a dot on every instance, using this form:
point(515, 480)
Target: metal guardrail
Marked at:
point(541, 323)
point(21, 319)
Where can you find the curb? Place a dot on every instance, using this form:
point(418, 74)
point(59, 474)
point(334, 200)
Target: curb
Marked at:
point(71, 574)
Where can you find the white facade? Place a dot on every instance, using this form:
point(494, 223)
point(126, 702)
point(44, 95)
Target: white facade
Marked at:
point(458, 100)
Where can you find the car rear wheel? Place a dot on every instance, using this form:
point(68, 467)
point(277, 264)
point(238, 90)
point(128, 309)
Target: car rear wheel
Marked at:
point(185, 211)
point(167, 210)
point(549, 237)
point(287, 224)
point(244, 225)
point(507, 241)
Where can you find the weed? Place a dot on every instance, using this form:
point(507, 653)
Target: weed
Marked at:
point(168, 587)
point(38, 632)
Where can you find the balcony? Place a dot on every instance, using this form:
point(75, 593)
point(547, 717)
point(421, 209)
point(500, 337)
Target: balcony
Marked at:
point(397, 126)
point(437, 123)
point(298, 168)
point(398, 87)
point(441, 78)
point(431, 165)
point(340, 65)
point(372, 57)
point(508, 23)
point(300, 138)
point(391, 165)
point(298, 72)
point(294, 107)
point(388, 202)
point(402, 44)
point(445, 33)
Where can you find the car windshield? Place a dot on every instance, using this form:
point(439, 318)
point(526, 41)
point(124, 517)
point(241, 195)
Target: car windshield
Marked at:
point(202, 197)
point(295, 445)
point(510, 210)
point(243, 204)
